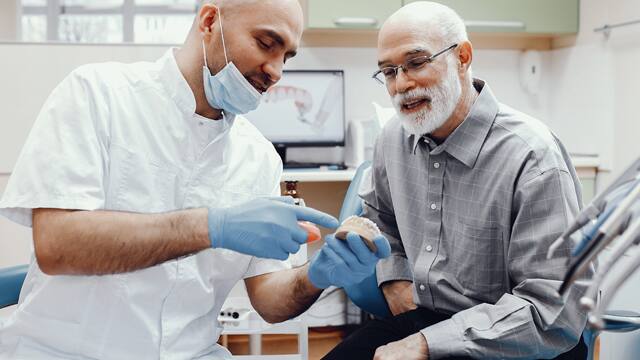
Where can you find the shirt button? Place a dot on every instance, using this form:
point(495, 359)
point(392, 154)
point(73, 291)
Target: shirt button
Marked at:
point(201, 123)
point(434, 206)
point(436, 165)
point(429, 248)
point(422, 287)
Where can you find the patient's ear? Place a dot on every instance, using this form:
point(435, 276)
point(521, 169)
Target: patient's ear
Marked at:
point(465, 56)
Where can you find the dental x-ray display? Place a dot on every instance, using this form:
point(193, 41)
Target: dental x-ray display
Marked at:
point(304, 108)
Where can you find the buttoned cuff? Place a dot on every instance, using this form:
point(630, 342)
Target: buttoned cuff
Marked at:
point(395, 267)
point(445, 339)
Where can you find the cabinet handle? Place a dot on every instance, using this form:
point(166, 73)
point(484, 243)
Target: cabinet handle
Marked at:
point(355, 21)
point(92, 7)
point(517, 25)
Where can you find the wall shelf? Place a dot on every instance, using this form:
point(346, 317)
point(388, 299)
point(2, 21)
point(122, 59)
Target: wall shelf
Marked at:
point(368, 39)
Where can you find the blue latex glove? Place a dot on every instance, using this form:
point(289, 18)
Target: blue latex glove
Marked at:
point(343, 263)
point(266, 228)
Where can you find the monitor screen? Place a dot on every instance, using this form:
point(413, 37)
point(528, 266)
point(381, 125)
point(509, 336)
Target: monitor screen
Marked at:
point(305, 108)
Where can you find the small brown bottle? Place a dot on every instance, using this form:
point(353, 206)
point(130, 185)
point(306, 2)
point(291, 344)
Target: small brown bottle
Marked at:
point(291, 189)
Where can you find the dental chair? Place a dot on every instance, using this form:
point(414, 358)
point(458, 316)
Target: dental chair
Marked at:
point(11, 280)
point(369, 297)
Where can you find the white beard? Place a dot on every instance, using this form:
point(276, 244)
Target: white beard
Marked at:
point(444, 99)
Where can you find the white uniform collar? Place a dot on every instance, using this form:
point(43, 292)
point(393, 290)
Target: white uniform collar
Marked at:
point(174, 82)
point(176, 85)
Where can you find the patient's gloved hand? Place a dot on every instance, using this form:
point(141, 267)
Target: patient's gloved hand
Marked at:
point(266, 228)
point(342, 263)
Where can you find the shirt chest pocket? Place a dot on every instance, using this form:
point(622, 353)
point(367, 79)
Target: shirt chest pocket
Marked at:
point(138, 183)
point(478, 259)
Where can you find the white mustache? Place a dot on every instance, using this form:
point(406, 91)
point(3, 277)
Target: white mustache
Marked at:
point(412, 95)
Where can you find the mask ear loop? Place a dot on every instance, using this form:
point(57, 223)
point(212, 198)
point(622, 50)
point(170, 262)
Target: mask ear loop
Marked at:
point(204, 54)
point(224, 47)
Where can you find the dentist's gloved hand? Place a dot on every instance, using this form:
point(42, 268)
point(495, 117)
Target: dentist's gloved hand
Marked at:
point(343, 263)
point(265, 228)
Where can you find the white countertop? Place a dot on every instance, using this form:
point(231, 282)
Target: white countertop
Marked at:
point(310, 175)
point(317, 175)
point(586, 161)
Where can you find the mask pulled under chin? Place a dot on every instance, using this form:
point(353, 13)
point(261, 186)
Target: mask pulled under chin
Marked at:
point(228, 90)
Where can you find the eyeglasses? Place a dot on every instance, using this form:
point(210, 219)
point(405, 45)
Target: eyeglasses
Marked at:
point(388, 73)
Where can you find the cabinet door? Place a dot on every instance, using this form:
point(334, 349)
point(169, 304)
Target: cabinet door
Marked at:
point(359, 14)
point(588, 189)
point(527, 16)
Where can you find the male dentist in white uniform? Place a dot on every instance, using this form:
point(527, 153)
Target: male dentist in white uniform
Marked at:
point(147, 196)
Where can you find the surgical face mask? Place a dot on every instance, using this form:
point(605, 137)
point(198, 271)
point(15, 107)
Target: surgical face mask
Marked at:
point(443, 100)
point(228, 90)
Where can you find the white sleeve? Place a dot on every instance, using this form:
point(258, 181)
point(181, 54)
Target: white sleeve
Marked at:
point(64, 160)
point(259, 266)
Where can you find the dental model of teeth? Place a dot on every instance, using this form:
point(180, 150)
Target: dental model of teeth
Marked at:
point(364, 227)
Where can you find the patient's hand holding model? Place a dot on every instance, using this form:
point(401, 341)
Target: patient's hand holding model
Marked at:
point(350, 255)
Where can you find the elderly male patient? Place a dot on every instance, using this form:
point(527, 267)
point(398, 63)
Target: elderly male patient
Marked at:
point(470, 194)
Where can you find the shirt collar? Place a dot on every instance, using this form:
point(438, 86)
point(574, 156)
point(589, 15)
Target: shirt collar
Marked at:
point(465, 142)
point(218, 128)
point(179, 90)
point(175, 84)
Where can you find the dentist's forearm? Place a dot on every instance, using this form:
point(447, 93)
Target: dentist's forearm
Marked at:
point(282, 295)
point(107, 242)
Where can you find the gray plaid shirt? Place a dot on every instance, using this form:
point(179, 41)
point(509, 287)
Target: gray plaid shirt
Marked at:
point(470, 222)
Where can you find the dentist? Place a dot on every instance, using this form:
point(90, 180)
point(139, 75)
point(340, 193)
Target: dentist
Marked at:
point(147, 195)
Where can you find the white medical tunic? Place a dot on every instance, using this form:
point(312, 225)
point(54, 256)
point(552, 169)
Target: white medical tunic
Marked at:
point(126, 137)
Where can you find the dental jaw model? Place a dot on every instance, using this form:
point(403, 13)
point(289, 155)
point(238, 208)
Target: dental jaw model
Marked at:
point(313, 233)
point(367, 229)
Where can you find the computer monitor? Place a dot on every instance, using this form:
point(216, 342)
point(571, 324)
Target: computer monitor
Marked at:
point(305, 108)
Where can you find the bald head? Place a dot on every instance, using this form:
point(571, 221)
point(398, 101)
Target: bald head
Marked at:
point(257, 36)
point(428, 21)
point(289, 9)
point(281, 7)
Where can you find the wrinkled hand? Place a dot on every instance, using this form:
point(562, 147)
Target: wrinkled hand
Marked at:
point(266, 228)
point(399, 296)
point(413, 347)
point(342, 263)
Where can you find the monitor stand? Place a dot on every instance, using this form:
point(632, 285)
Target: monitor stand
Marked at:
point(282, 151)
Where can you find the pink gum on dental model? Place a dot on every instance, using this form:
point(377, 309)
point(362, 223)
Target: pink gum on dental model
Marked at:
point(313, 233)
